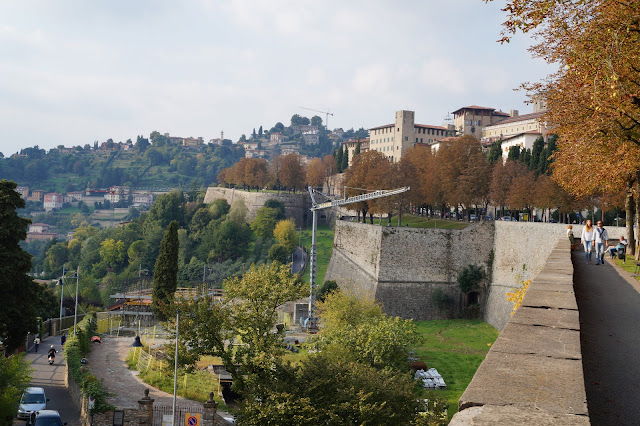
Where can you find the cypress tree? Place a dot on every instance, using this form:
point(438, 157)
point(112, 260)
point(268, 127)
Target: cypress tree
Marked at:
point(495, 152)
point(165, 273)
point(357, 151)
point(345, 160)
point(339, 159)
point(536, 152)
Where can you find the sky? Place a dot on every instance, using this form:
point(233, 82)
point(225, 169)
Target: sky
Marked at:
point(74, 71)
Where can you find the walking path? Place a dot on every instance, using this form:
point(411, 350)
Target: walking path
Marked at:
point(51, 378)
point(107, 361)
point(609, 304)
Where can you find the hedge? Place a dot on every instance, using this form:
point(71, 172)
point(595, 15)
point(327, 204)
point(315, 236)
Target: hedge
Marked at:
point(75, 348)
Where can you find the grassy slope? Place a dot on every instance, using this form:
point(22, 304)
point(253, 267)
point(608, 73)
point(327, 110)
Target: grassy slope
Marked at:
point(325, 245)
point(455, 348)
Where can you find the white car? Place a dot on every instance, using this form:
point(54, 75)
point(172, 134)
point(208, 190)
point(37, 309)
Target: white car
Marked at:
point(33, 399)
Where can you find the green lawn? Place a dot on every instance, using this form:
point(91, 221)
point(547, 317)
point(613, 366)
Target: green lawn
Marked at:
point(455, 348)
point(325, 244)
point(629, 264)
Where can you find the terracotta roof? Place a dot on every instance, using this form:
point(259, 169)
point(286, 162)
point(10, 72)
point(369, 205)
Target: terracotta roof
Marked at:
point(382, 127)
point(501, 113)
point(473, 107)
point(518, 118)
point(428, 126)
point(530, 132)
point(365, 140)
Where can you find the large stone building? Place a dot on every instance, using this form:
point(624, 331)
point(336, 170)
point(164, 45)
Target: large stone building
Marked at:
point(471, 120)
point(350, 145)
point(53, 201)
point(393, 140)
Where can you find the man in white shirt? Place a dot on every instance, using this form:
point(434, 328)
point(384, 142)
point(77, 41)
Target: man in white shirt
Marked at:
point(600, 238)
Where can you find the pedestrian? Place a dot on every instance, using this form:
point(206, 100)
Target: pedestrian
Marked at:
point(36, 342)
point(600, 242)
point(587, 240)
point(63, 339)
point(570, 235)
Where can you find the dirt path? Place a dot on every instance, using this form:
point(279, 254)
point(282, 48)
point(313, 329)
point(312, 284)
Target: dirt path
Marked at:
point(107, 362)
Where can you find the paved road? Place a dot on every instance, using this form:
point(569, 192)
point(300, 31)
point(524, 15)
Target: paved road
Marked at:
point(51, 378)
point(609, 303)
point(299, 260)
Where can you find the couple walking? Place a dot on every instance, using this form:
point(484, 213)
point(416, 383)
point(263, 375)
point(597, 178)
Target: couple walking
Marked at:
point(596, 239)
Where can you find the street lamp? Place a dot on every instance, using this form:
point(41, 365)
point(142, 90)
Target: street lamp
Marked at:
point(61, 284)
point(175, 373)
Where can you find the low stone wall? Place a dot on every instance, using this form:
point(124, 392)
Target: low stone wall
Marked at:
point(533, 372)
point(296, 205)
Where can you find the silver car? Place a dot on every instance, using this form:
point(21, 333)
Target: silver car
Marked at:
point(33, 399)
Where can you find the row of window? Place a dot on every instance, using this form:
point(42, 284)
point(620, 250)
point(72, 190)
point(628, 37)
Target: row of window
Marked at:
point(473, 122)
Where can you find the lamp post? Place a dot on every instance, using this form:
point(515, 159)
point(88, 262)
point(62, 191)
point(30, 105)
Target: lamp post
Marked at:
point(61, 284)
point(75, 313)
point(175, 373)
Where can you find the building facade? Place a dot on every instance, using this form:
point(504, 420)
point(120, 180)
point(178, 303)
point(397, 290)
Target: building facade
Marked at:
point(471, 120)
point(52, 201)
point(393, 140)
point(350, 145)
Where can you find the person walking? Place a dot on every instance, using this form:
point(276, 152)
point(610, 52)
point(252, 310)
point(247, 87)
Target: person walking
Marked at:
point(36, 343)
point(570, 235)
point(587, 240)
point(63, 339)
point(601, 240)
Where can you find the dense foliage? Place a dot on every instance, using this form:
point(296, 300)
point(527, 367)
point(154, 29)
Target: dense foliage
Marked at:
point(19, 294)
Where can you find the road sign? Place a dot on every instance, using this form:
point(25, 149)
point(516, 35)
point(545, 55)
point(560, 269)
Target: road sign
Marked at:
point(192, 419)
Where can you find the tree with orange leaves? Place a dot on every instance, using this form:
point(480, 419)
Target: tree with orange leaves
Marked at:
point(315, 172)
point(292, 173)
point(594, 96)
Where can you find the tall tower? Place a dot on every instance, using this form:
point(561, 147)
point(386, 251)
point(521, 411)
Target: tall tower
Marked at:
point(404, 133)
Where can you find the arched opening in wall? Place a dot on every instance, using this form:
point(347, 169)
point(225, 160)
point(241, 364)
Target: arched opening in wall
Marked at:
point(472, 308)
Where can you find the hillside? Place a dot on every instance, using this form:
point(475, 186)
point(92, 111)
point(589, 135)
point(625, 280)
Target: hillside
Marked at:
point(169, 166)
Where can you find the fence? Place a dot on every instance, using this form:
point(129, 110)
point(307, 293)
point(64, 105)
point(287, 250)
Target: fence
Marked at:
point(160, 410)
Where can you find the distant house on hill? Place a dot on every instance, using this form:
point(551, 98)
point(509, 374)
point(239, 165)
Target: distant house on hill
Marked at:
point(53, 201)
point(302, 128)
point(23, 191)
point(276, 138)
point(36, 195)
point(38, 227)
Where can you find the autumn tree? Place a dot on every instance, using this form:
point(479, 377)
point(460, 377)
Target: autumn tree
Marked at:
point(365, 174)
point(286, 235)
point(292, 173)
point(501, 180)
point(594, 95)
point(521, 195)
point(256, 173)
point(316, 172)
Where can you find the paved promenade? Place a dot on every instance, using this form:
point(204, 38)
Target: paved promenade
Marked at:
point(609, 304)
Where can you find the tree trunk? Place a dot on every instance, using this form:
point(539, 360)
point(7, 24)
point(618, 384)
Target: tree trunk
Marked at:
point(629, 208)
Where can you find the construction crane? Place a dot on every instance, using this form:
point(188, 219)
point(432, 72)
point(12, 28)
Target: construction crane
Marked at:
point(326, 113)
point(314, 227)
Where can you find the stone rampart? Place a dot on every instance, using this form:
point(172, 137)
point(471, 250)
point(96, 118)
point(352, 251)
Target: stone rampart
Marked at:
point(296, 205)
point(402, 267)
point(533, 372)
point(520, 249)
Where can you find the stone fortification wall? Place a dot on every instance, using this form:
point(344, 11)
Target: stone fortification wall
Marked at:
point(401, 267)
point(533, 372)
point(520, 248)
point(296, 205)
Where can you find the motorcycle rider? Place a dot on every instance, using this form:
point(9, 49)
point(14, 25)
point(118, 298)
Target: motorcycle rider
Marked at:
point(52, 352)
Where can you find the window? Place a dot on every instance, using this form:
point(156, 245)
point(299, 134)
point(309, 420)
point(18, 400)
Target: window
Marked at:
point(406, 139)
point(417, 141)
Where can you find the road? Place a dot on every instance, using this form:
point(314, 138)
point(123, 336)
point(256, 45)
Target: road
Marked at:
point(609, 303)
point(51, 378)
point(299, 258)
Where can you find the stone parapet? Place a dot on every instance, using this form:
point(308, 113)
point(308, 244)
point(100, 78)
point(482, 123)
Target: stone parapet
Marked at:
point(296, 205)
point(533, 372)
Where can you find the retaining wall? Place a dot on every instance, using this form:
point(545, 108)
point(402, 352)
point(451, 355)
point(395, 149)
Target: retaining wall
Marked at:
point(402, 267)
point(296, 205)
point(533, 372)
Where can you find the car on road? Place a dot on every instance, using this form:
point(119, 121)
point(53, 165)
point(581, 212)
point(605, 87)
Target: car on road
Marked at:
point(45, 418)
point(33, 399)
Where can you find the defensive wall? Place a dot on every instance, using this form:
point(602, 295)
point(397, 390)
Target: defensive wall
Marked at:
point(296, 205)
point(533, 371)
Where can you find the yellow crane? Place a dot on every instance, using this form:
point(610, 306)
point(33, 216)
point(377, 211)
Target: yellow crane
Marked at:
point(326, 113)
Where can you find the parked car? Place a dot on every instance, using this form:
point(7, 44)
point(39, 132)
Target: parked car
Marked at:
point(472, 217)
point(33, 399)
point(45, 418)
